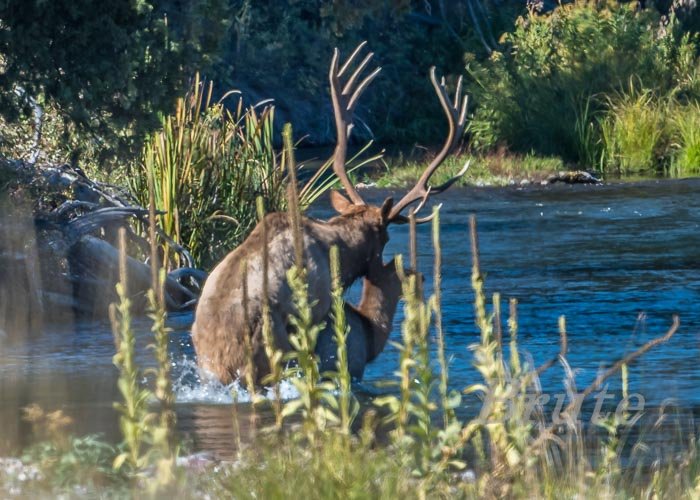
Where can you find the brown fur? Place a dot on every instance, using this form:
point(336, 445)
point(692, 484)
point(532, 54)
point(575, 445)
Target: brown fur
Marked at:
point(369, 323)
point(360, 233)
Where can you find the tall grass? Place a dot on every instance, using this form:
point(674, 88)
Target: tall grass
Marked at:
point(633, 132)
point(686, 136)
point(209, 164)
point(555, 74)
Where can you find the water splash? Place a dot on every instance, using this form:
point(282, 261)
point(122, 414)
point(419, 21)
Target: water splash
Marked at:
point(190, 385)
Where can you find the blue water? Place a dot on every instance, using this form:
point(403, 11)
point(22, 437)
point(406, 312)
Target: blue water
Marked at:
point(617, 260)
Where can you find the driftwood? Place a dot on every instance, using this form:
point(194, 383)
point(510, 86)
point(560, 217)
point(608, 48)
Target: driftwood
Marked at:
point(57, 227)
point(95, 267)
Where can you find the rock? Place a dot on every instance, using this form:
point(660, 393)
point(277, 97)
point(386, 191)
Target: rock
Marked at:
point(572, 177)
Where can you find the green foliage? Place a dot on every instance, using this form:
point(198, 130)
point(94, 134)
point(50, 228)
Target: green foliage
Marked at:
point(106, 69)
point(685, 124)
point(545, 90)
point(346, 405)
point(162, 433)
point(64, 460)
point(633, 132)
point(80, 461)
point(134, 417)
point(147, 436)
point(328, 470)
point(304, 373)
point(492, 169)
point(208, 165)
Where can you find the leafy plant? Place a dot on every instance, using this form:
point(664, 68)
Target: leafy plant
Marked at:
point(545, 89)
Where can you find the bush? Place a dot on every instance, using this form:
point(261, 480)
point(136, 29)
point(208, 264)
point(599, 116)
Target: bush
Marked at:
point(546, 90)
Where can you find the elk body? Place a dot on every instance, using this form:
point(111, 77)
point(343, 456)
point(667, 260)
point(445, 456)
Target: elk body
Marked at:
point(222, 322)
point(221, 318)
point(369, 323)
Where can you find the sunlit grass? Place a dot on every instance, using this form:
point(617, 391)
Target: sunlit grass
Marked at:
point(686, 131)
point(498, 169)
point(633, 132)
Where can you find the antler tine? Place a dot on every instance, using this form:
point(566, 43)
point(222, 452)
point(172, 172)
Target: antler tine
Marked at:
point(402, 219)
point(345, 98)
point(456, 113)
point(423, 201)
point(361, 88)
point(356, 73)
point(428, 218)
point(458, 93)
point(445, 185)
point(347, 63)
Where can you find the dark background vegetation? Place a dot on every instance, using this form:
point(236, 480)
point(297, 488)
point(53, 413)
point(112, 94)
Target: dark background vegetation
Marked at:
point(108, 71)
point(607, 86)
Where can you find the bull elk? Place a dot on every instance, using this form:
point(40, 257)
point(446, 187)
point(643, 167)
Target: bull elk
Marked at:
point(369, 323)
point(359, 231)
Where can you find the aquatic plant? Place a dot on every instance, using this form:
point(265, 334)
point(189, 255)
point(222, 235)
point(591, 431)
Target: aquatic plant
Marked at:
point(208, 165)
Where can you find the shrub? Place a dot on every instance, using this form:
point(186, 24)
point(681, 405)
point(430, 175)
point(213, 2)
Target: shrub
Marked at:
point(545, 90)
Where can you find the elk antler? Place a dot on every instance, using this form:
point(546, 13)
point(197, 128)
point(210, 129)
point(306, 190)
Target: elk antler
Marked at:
point(456, 113)
point(345, 99)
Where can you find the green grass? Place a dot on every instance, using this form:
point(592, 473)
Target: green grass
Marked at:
point(686, 131)
point(499, 169)
point(634, 133)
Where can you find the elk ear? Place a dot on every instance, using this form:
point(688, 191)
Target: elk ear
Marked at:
point(340, 203)
point(386, 209)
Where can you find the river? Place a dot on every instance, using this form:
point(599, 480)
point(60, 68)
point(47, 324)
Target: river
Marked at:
point(618, 260)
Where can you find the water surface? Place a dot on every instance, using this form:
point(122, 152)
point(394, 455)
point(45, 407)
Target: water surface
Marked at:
point(618, 260)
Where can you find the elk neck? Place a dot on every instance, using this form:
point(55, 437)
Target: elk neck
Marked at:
point(378, 306)
point(358, 242)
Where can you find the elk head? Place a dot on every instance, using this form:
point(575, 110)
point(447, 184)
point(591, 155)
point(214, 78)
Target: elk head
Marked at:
point(345, 94)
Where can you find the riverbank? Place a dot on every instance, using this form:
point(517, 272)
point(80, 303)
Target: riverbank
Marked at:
point(498, 170)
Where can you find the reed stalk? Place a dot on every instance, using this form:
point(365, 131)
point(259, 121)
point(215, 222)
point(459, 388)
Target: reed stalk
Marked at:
point(448, 414)
point(340, 333)
point(274, 355)
point(293, 197)
point(133, 417)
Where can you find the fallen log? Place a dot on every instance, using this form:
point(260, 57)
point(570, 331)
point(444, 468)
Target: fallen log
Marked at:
point(61, 250)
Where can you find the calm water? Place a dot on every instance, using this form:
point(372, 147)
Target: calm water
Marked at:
point(617, 260)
